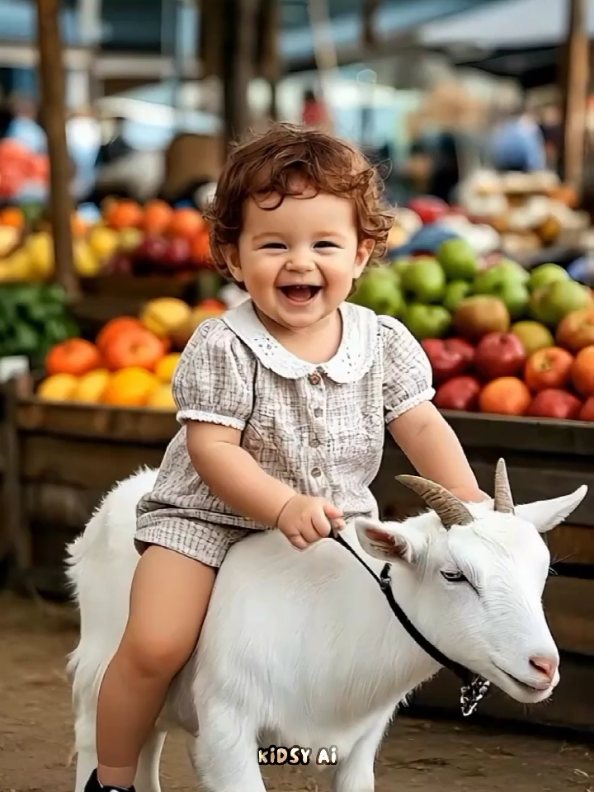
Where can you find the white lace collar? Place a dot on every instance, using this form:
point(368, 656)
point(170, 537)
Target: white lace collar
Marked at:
point(351, 362)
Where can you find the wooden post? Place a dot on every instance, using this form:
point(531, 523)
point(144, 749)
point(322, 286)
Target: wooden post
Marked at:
point(575, 90)
point(53, 115)
point(238, 44)
point(370, 9)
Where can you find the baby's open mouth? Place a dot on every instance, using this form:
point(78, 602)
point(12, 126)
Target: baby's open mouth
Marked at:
point(300, 293)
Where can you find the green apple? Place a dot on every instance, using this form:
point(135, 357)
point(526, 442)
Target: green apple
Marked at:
point(516, 298)
point(455, 292)
point(550, 304)
point(399, 265)
point(379, 289)
point(547, 273)
point(424, 280)
point(507, 282)
point(458, 259)
point(514, 270)
point(533, 335)
point(492, 280)
point(427, 321)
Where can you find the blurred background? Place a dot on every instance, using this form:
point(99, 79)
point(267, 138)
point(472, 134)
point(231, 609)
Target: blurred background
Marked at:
point(424, 85)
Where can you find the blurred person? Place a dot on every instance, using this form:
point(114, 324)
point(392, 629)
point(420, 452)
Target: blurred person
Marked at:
point(114, 145)
point(6, 116)
point(517, 144)
point(25, 126)
point(83, 136)
point(552, 132)
point(315, 112)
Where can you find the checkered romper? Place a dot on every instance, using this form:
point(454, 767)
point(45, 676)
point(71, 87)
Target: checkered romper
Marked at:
point(318, 428)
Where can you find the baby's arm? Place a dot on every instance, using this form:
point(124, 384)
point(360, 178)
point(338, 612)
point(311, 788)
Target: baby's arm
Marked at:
point(233, 475)
point(434, 450)
point(420, 430)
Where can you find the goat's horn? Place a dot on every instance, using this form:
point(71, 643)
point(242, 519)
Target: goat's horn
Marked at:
point(504, 501)
point(450, 510)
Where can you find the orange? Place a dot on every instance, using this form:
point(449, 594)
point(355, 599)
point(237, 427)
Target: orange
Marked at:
point(91, 386)
point(157, 217)
point(161, 398)
point(505, 396)
point(582, 373)
point(186, 223)
point(201, 251)
point(58, 387)
point(129, 387)
point(165, 368)
point(124, 214)
point(114, 327)
point(12, 216)
point(75, 356)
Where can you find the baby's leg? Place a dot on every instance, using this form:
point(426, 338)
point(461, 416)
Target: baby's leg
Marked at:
point(168, 603)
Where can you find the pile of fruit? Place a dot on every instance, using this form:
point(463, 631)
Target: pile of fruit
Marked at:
point(454, 291)
point(523, 372)
point(128, 239)
point(132, 361)
point(33, 317)
point(500, 339)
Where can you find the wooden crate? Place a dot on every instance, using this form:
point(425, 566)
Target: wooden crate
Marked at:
point(544, 459)
point(69, 456)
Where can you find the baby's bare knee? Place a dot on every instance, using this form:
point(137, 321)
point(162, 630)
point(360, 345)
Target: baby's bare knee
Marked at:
point(156, 653)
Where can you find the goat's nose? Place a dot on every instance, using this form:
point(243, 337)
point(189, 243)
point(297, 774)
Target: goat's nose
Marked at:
point(545, 665)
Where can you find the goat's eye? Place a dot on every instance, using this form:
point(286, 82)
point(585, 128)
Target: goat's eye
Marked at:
point(454, 577)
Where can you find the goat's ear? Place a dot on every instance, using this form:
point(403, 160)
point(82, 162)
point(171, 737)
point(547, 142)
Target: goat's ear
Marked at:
point(547, 514)
point(385, 543)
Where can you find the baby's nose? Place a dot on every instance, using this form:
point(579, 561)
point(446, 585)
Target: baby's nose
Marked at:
point(300, 263)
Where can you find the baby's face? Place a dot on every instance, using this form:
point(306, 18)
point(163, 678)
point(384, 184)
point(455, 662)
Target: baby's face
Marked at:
point(298, 261)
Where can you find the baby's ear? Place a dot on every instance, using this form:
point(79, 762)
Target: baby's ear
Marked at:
point(364, 251)
point(231, 256)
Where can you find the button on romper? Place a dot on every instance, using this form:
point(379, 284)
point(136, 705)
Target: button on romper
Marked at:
point(318, 428)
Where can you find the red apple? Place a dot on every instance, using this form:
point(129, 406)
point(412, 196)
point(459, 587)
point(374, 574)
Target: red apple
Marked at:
point(587, 411)
point(177, 254)
point(429, 208)
point(449, 357)
point(499, 355)
point(458, 393)
point(549, 367)
point(554, 403)
point(152, 249)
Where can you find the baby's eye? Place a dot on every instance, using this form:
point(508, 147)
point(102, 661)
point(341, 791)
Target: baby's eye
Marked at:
point(273, 246)
point(326, 244)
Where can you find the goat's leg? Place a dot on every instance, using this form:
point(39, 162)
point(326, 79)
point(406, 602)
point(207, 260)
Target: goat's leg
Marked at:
point(356, 773)
point(147, 773)
point(225, 752)
point(86, 752)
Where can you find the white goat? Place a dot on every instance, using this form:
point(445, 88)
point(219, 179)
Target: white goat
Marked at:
point(302, 648)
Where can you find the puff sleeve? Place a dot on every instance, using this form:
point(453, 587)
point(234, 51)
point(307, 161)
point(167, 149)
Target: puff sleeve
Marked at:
point(213, 381)
point(407, 375)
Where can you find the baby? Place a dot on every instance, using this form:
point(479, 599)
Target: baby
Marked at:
point(283, 404)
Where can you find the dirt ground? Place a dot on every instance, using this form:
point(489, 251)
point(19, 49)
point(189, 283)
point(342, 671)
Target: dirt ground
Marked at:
point(36, 733)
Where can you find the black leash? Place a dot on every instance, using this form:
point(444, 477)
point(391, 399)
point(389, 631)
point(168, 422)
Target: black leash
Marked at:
point(474, 688)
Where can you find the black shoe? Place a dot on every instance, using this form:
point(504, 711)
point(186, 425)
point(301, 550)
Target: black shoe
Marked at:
point(93, 785)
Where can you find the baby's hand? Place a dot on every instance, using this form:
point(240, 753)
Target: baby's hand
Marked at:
point(305, 520)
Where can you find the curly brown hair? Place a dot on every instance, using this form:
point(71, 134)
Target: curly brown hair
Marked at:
point(267, 164)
